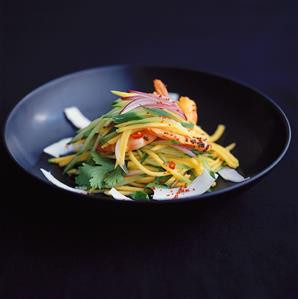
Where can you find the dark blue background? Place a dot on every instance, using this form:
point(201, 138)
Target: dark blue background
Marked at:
point(241, 247)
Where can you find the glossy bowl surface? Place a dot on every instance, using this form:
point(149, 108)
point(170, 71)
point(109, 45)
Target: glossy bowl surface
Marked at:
point(257, 124)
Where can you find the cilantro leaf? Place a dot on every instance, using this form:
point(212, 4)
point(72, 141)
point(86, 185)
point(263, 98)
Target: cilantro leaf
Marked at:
point(98, 173)
point(140, 195)
point(84, 176)
point(92, 176)
point(213, 174)
point(97, 177)
point(114, 178)
point(104, 162)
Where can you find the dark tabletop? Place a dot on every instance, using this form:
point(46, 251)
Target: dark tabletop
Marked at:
point(243, 246)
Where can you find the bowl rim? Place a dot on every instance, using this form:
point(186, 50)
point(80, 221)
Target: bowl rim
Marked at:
point(206, 195)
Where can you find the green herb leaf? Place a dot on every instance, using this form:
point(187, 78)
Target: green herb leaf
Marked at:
point(93, 175)
point(99, 172)
point(213, 174)
point(104, 162)
point(114, 178)
point(97, 177)
point(84, 176)
point(140, 195)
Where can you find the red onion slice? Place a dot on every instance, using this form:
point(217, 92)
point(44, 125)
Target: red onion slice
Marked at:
point(135, 104)
point(152, 103)
point(151, 95)
point(143, 99)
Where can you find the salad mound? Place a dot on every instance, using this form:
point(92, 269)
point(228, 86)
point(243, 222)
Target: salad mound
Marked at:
point(148, 147)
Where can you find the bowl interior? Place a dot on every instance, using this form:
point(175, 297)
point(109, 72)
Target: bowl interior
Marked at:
point(258, 127)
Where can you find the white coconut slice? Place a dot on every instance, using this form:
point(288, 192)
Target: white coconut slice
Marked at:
point(75, 116)
point(117, 195)
point(174, 96)
point(200, 185)
point(59, 184)
point(231, 175)
point(59, 148)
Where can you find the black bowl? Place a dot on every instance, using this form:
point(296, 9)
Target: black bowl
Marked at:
point(258, 126)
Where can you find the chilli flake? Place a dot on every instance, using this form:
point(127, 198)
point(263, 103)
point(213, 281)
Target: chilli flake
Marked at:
point(75, 116)
point(199, 186)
